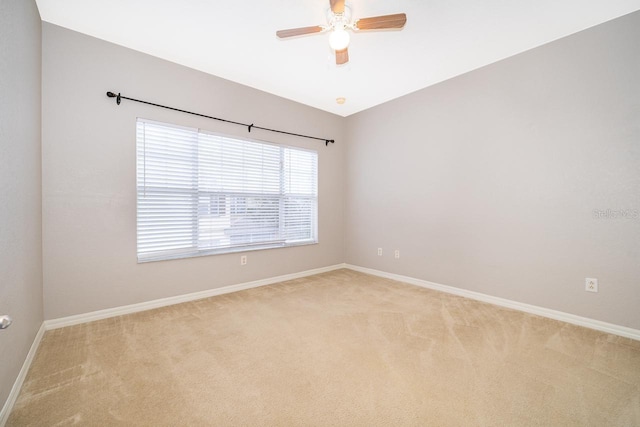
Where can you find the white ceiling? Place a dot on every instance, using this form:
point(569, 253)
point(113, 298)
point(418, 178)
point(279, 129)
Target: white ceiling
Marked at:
point(236, 40)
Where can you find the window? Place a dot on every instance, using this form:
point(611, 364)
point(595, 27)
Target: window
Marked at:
point(200, 193)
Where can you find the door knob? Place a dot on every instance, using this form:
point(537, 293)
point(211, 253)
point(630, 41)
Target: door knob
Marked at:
point(5, 321)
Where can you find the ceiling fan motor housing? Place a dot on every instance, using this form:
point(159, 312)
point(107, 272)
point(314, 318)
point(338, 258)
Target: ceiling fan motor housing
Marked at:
point(339, 20)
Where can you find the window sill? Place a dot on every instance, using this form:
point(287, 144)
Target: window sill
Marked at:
point(150, 258)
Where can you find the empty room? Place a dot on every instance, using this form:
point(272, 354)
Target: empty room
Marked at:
point(319, 213)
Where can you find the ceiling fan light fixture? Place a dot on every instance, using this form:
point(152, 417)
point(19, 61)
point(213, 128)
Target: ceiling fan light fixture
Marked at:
point(339, 21)
point(339, 39)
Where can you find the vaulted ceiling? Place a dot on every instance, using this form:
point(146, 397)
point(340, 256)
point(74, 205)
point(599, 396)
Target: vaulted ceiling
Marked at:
point(236, 40)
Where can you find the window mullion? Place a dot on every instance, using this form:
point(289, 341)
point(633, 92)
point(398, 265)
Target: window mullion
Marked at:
point(195, 197)
point(281, 205)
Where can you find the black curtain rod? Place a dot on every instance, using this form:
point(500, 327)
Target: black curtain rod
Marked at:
point(119, 98)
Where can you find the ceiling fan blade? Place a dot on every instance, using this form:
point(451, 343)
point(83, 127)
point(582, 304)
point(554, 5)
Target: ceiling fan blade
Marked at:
point(298, 31)
point(342, 56)
point(382, 22)
point(337, 6)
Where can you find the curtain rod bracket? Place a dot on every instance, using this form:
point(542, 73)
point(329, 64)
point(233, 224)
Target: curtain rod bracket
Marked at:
point(249, 128)
point(113, 95)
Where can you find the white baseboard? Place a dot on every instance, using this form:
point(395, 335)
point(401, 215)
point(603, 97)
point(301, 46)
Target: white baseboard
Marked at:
point(148, 305)
point(527, 308)
point(17, 385)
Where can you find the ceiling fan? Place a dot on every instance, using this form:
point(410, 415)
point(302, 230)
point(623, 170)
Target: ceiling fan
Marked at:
point(339, 21)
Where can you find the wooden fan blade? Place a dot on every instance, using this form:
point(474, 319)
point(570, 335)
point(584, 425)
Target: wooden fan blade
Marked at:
point(337, 6)
point(382, 22)
point(298, 31)
point(342, 56)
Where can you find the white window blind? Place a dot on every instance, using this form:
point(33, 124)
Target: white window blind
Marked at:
point(201, 193)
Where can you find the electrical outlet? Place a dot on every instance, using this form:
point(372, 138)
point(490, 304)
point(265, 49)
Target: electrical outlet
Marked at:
point(591, 285)
point(397, 254)
point(379, 251)
point(243, 260)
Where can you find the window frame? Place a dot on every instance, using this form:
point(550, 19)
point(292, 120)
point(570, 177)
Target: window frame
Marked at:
point(194, 250)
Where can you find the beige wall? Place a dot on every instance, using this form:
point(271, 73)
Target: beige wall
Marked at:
point(20, 185)
point(89, 194)
point(489, 181)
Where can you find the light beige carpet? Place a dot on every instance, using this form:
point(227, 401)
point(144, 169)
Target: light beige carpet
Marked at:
point(341, 348)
